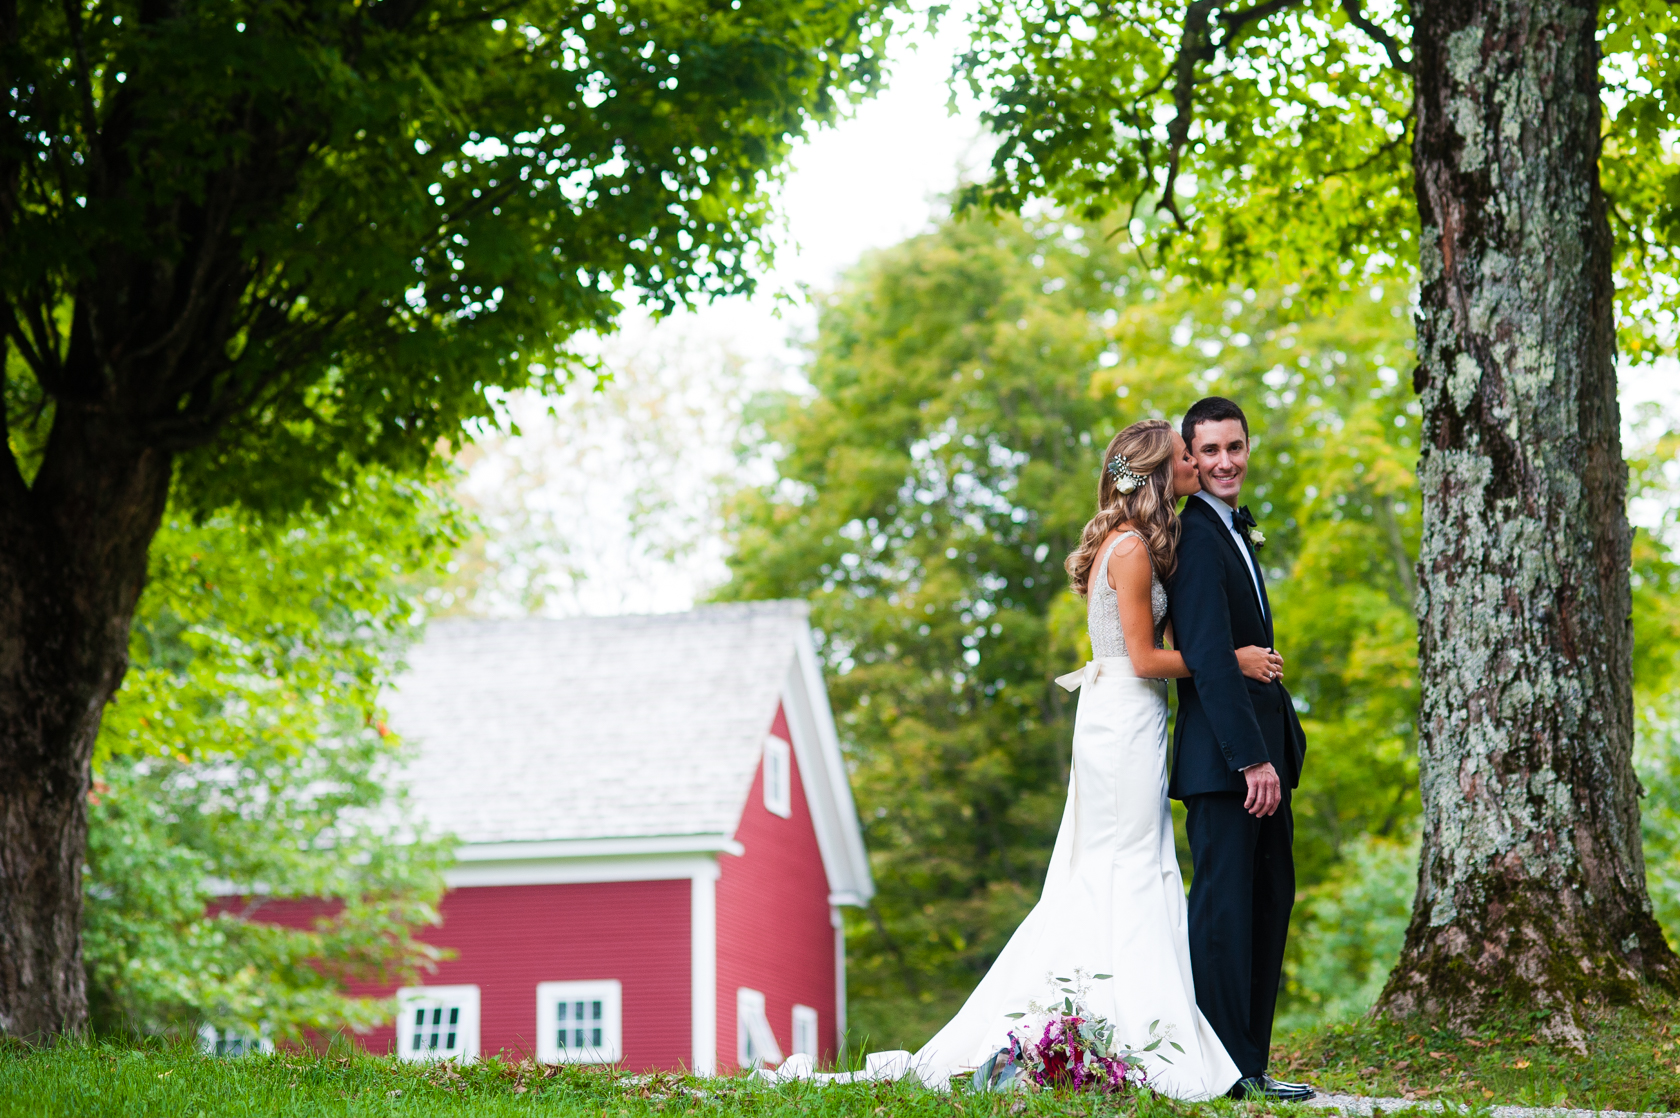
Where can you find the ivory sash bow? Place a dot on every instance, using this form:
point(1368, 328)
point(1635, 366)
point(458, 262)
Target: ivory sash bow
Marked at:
point(1094, 669)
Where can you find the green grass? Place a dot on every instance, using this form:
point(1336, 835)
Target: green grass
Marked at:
point(89, 1080)
point(1632, 1062)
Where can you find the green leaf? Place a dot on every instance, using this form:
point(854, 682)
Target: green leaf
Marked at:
point(247, 745)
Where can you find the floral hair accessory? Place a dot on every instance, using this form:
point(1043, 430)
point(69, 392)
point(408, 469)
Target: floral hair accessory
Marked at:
point(1126, 480)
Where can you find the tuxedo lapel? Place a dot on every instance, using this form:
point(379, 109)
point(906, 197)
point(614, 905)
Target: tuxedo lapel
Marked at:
point(1259, 598)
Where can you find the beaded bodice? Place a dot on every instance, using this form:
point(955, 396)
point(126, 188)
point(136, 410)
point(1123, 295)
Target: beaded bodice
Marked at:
point(1102, 608)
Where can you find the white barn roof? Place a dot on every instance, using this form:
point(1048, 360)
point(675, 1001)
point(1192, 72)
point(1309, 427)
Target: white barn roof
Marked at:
point(620, 734)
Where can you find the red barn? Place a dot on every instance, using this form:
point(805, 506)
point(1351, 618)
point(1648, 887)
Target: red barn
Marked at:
point(656, 835)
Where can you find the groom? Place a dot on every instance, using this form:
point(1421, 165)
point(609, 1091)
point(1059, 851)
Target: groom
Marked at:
point(1237, 751)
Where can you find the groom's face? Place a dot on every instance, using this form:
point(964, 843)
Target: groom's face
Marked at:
point(1221, 452)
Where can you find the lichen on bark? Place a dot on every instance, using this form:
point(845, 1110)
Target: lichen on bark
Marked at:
point(1532, 883)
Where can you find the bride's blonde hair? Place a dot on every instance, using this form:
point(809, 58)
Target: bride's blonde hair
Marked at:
point(1147, 447)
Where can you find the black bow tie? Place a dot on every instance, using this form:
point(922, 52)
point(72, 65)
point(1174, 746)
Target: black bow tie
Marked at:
point(1243, 519)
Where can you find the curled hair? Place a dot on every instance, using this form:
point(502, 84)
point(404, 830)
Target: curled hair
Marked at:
point(1150, 508)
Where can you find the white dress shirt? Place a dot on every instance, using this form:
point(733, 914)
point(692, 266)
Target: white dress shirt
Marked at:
point(1228, 515)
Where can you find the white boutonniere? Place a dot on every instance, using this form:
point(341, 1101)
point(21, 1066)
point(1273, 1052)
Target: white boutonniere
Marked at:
point(1257, 538)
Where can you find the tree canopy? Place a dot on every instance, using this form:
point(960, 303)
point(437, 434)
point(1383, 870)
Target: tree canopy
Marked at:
point(290, 238)
point(1277, 135)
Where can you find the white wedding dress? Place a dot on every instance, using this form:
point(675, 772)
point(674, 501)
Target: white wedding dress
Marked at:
point(1113, 901)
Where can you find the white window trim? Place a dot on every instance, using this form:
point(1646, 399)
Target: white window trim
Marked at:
point(806, 1038)
point(609, 992)
point(778, 776)
point(755, 1041)
point(465, 998)
point(214, 1042)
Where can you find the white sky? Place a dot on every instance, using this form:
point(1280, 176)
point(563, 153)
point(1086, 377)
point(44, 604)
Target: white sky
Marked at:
point(869, 181)
point(567, 491)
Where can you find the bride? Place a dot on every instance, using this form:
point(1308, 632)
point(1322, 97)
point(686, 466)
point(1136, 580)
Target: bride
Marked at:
point(1113, 901)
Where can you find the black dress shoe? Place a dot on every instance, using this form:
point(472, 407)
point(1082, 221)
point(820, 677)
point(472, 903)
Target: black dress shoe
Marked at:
point(1265, 1087)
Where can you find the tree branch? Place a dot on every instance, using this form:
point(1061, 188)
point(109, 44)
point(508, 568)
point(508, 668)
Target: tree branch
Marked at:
point(10, 328)
point(1390, 44)
point(1234, 21)
point(13, 489)
point(1352, 168)
point(9, 161)
point(90, 115)
point(1195, 46)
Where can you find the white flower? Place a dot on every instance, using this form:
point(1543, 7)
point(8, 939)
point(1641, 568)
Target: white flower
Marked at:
point(1257, 537)
point(1127, 486)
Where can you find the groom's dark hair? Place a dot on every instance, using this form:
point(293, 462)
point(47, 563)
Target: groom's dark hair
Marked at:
point(1211, 409)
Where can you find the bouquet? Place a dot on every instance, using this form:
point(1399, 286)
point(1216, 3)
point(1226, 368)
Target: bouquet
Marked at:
point(1067, 1045)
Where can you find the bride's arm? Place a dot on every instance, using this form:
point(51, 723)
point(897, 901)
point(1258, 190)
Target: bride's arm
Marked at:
point(1128, 573)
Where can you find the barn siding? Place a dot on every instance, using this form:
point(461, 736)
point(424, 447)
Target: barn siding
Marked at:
point(773, 927)
point(508, 938)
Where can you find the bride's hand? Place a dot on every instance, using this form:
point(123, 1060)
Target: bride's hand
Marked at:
point(1262, 664)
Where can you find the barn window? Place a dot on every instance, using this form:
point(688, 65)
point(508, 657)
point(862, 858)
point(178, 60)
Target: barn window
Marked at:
point(778, 777)
point(233, 1041)
point(437, 1023)
point(805, 1030)
point(580, 1022)
point(755, 1043)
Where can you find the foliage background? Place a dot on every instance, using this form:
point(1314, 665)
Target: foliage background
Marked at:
point(245, 760)
point(928, 479)
point(930, 483)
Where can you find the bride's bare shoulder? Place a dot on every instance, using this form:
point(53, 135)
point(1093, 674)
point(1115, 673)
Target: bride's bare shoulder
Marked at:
point(1130, 545)
point(1128, 557)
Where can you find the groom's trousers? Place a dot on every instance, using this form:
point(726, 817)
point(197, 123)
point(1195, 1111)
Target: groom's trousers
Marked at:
point(1241, 892)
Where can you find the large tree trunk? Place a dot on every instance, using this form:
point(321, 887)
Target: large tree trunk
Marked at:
point(1532, 885)
point(71, 570)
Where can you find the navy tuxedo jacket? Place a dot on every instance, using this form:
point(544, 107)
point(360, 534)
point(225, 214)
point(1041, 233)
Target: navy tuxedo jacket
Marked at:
point(1226, 721)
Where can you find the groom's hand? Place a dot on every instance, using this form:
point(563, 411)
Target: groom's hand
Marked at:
point(1265, 791)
